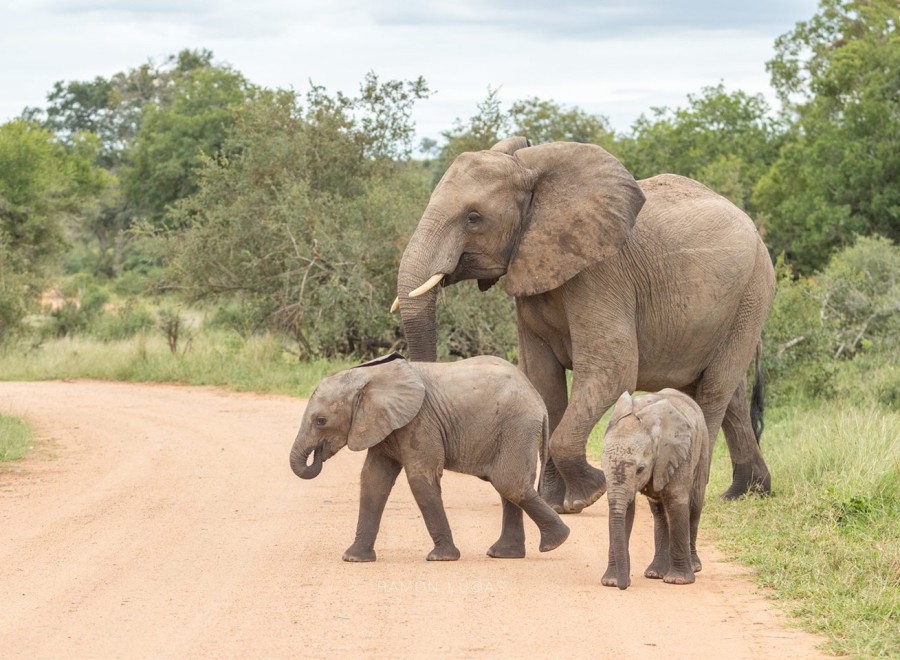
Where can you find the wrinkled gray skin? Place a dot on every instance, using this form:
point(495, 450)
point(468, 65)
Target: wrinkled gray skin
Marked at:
point(479, 416)
point(657, 445)
point(631, 285)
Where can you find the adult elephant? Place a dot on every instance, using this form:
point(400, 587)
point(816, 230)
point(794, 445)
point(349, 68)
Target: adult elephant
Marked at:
point(631, 285)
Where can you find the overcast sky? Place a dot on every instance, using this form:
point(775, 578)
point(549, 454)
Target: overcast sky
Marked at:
point(617, 58)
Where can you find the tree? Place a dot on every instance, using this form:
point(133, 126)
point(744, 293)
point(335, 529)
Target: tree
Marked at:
point(727, 140)
point(482, 130)
point(42, 186)
point(838, 75)
point(537, 119)
point(301, 218)
point(173, 136)
point(152, 122)
point(543, 121)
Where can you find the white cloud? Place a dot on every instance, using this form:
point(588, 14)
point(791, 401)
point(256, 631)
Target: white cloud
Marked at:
point(613, 58)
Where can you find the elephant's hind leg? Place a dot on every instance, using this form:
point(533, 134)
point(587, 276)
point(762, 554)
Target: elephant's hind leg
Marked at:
point(511, 544)
point(749, 471)
point(554, 531)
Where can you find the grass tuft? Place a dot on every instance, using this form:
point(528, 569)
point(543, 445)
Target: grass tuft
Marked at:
point(15, 438)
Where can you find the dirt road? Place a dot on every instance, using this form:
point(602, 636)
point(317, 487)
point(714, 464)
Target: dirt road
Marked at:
point(164, 521)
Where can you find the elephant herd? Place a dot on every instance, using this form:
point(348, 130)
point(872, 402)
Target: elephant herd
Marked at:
point(658, 285)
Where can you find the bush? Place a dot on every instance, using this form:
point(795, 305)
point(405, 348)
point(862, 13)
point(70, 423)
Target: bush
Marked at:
point(850, 310)
point(15, 291)
point(796, 355)
point(123, 321)
point(861, 296)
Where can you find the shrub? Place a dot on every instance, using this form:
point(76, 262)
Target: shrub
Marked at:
point(124, 320)
point(849, 310)
point(796, 357)
point(861, 296)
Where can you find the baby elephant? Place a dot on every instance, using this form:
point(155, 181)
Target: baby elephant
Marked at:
point(479, 416)
point(656, 444)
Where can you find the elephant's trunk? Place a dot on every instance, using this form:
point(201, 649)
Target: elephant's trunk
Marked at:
point(424, 257)
point(618, 539)
point(299, 456)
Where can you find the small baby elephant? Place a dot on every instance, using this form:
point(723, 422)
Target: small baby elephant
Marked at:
point(656, 444)
point(479, 416)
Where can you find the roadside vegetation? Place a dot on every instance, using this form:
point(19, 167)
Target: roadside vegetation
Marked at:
point(177, 223)
point(16, 438)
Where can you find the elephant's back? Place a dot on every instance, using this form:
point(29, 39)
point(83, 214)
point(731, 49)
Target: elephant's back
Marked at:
point(481, 379)
point(686, 214)
point(694, 259)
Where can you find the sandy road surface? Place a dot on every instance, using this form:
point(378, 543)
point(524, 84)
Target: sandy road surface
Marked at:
point(164, 522)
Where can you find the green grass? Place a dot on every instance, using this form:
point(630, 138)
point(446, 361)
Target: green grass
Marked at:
point(15, 438)
point(826, 544)
point(259, 364)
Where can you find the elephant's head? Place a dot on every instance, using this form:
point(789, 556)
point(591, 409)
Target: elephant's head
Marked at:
point(358, 407)
point(647, 439)
point(538, 215)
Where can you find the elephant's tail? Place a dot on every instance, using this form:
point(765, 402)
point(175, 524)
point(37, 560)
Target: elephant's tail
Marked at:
point(545, 453)
point(757, 398)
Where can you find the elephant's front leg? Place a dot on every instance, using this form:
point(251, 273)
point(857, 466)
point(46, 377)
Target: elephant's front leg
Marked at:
point(611, 576)
point(378, 476)
point(539, 363)
point(660, 564)
point(679, 520)
point(426, 488)
point(592, 395)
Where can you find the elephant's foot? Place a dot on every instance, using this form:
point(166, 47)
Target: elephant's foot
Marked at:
point(443, 553)
point(552, 488)
point(686, 577)
point(359, 553)
point(609, 579)
point(748, 478)
point(554, 537)
point(696, 566)
point(658, 567)
point(585, 484)
point(507, 549)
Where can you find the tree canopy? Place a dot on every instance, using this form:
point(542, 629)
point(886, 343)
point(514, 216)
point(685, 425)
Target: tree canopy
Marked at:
point(278, 202)
point(836, 176)
point(42, 186)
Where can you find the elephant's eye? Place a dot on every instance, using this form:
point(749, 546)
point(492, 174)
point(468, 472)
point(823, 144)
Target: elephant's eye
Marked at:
point(320, 421)
point(640, 469)
point(473, 218)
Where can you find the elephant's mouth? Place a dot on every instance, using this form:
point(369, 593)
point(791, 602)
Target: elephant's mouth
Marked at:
point(475, 266)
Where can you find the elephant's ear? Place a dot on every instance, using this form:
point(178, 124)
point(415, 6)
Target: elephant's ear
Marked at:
point(672, 434)
point(624, 407)
point(390, 394)
point(511, 145)
point(583, 207)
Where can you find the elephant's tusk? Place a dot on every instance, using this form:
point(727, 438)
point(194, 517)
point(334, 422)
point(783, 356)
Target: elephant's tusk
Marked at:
point(395, 305)
point(428, 286)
